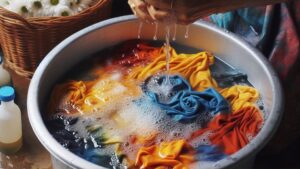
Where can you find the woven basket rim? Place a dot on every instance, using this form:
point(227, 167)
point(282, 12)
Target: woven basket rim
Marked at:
point(32, 22)
point(20, 36)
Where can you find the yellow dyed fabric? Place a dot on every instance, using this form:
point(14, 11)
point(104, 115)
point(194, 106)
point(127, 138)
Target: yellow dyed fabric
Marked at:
point(194, 67)
point(240, 96)
point(176, 154)
point(85, 97)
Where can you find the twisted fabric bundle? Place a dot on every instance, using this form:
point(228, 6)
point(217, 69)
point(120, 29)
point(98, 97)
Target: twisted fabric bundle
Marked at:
point(185, 104)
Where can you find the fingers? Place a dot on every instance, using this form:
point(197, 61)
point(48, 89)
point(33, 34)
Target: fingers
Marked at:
point(139, 8)
point(159, 15)
point(150, 13)
point(183, 19)
point(161, 4)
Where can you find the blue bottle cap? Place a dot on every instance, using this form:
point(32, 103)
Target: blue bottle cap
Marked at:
point(7, 93)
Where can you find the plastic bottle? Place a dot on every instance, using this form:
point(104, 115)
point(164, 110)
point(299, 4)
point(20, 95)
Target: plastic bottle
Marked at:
point(4, 75)
point(10, 122)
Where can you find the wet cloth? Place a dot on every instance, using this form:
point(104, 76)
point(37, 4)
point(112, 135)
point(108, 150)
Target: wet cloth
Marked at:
point(240, 96)
point(176, 154)
point(180, 102)
point(193, 67)
point(85, 96)
point(233, 131)
point(133, 53)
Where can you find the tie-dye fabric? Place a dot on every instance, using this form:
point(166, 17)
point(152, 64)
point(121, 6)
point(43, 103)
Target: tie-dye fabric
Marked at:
point(273, 29)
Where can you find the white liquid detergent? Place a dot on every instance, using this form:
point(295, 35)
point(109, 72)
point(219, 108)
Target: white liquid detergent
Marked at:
point(4, 75)
point(10, 122)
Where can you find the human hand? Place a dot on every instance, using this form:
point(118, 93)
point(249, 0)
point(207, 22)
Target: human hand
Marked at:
point(180, 12)
point(148, 12)
point(187, 11)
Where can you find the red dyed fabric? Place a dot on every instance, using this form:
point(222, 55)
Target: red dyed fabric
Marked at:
point(233, 131)
point(133, 53)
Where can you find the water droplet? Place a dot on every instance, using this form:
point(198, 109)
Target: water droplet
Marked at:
point(140, 29)
point(187, 29)
point(253, 30)
point(156, 30)
point(175, 32)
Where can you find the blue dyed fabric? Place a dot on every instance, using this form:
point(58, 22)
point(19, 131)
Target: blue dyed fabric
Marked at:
point(183, 103)
point(95, 156)
point(209, 153)
point(155, 87)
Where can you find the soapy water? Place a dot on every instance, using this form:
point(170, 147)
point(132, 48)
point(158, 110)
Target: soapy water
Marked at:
point(129, 116)
point(136, 116)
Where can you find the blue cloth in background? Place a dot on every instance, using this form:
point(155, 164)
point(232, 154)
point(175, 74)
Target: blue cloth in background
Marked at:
point(273, 29)
point(182, 103)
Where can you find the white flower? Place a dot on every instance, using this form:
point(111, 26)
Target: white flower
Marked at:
point(80, 5)
point(49, 6)
point(36, 7)
point(62, 10)
point(40, 8)
point(36, 4)
point(21, 7)
point(4, 3)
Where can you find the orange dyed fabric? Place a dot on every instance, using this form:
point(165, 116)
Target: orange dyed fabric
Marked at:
point(176, 154)
point(240, 96)
point(64, 94)
point(194, 67)
point(233, 131)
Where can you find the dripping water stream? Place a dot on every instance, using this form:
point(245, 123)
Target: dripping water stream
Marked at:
point(170, 21)
point(168, 24)
point(187, 29)
point(156, 30)
point(175, 32)
point(168, 54)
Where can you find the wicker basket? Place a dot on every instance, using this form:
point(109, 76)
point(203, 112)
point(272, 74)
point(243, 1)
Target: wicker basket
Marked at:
point(25, 42)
